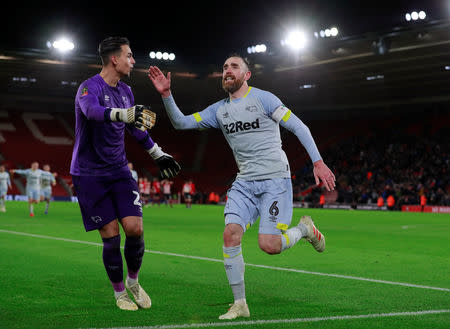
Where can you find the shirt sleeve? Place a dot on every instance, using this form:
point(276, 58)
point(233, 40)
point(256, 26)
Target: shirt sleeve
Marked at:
point(198, 120)
point(292, 123)
point(88, 99)
point(22, 171)
point(270, 103)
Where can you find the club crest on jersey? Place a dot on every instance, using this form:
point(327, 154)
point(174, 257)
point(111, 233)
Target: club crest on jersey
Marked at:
point(84, 92)
point(237, 126)
point(106, 98)
point(125, 99)
point(251, 108)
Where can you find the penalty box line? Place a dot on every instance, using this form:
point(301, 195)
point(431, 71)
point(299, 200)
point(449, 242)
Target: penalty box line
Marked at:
point(340, 276)
point(279, 321)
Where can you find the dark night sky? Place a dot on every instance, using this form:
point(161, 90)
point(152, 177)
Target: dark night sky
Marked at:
point(196, 32)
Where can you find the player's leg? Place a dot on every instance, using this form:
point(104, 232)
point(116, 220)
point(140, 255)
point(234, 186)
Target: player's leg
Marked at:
point(276, 215)
point(112, 260)
point(134, 253)
point(98, 213)
point(129, 208)
point(46, 194)
point(30, 201)
point(240, 213)
point(190, 200)
point(2, 200)
point(275, 235)
point(47, 205)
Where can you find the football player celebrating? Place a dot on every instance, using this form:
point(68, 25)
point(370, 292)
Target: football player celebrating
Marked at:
point(249, 119)
point(106, 191)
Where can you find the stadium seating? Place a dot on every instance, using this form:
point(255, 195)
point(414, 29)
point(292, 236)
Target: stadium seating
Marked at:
point(207, 159)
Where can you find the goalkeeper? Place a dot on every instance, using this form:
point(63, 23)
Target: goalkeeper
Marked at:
point(107, 193)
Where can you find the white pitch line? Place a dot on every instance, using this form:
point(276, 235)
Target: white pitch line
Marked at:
point(340, 276)
point(278, 321)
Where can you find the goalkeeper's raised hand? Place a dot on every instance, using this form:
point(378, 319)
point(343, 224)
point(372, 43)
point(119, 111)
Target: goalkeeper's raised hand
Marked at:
point(168, 167)
point(139, 115)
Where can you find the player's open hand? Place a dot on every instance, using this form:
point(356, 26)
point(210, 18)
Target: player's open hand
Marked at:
point(324, 174)
point(160, 81)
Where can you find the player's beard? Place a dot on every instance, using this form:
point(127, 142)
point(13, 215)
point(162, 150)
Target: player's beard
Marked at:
point(233, 87)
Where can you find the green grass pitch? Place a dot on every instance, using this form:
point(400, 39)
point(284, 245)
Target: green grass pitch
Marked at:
point(52, 275)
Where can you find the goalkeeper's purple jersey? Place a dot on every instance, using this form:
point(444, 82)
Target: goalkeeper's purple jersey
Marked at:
point(99, 148)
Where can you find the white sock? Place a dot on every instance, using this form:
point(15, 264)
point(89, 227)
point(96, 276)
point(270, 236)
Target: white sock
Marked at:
point(235, 268)
point(31, 208)
point(291, 237)
point(131, 281)
point(118, 293)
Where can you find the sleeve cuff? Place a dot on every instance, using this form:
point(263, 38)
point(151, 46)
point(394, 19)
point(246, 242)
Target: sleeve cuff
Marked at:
point(107, 115)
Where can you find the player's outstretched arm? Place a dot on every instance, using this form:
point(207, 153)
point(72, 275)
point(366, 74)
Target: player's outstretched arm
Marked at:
point(139, 115)
point(162, 85)
point(168, 167)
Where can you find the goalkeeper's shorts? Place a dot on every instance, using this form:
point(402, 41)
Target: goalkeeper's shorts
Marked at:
point(103, 199)
point(270, 199)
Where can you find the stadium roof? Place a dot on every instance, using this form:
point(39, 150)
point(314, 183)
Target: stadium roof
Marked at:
point(198, 33)
point(379, 65)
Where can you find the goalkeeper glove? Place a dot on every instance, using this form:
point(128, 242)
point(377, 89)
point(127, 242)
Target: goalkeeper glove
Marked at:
point(139, 115)
point(168, 167)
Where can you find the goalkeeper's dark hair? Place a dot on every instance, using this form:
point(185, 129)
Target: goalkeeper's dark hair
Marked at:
point(244, 59)
point(109, 46)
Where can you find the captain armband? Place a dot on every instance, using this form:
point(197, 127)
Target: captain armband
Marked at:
point(281, 113)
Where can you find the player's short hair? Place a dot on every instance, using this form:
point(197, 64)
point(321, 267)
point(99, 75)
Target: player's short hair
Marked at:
point(111, 46)
point(244, 59)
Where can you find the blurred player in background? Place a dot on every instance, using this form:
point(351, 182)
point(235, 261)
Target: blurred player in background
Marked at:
point(46, 187)
point(134, 174)
point(106, 191)
point(188, 191)
point(155, 191)
point(143, 185)
point(5, 182)
point(249, 119)
point(33, 177)
point(167, 192)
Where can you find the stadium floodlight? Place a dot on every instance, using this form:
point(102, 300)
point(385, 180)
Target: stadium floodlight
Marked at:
point(166, 56)
point(262, 48)
point(334, 31)
point(296, 40)
point(63, 45)
point(414, 16)
point(328, 32)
